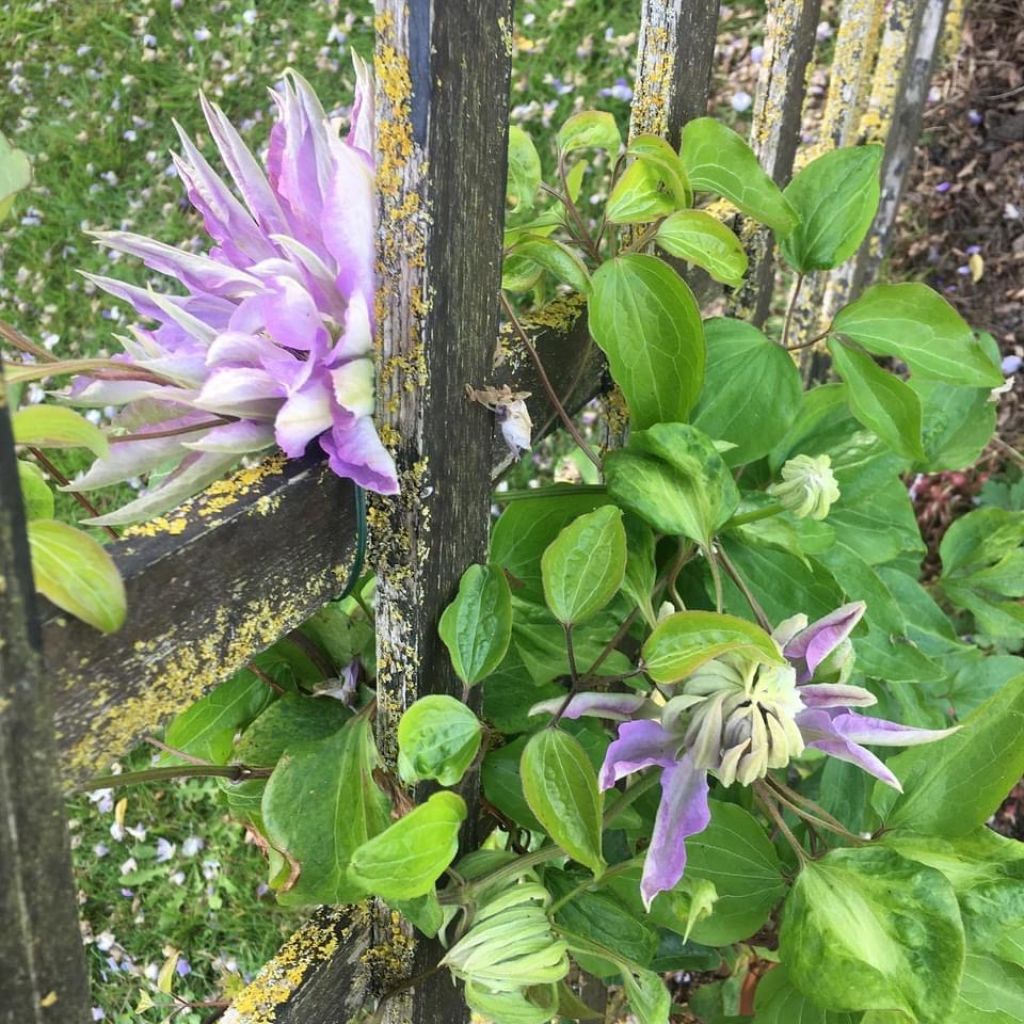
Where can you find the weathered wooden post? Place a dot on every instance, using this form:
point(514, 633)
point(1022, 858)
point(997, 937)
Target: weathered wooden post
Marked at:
point(45, 980)
point(442, 109)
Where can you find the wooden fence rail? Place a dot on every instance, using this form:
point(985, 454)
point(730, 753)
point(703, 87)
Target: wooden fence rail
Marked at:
point(227, 575)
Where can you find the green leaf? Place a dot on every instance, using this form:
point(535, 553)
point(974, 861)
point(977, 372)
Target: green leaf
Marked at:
point(560, 260)
point(638, 196)
point(526, 528)
point(673, 477)
point(510, 692)
point(778, 1002)
point(958, 423)
point(320, 805)
point(992, 992)
point(718, 160)
point(77, 574)
point(657, 154)
point(641, 570)
point(560, 785)
point(523, 170)
point(952, 786)
point(645, 319)
point(704, 241)
point(292, 720)
point(519, 274)
point(438, 738)
point(503, 785)
point(15, 174)
point(835, 198)
point(343, 637)
point(880, 400)
point(35, 492)
point(684, 641)
point(56, 426)
point(915, 324)
point(979, 540)
point(594, 916)
point(735, 855)
point(752, 390)
point(477, 626)
point(648, 998)
point(867, 929)
point(591, 129)
point(584, 565)
point(207, 729)
point(405, 860)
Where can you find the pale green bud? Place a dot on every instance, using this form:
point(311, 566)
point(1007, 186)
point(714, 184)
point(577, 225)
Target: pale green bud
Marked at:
point(537, 1006)
point(808, 487)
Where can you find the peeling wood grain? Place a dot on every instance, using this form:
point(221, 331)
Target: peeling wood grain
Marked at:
point(44, 973)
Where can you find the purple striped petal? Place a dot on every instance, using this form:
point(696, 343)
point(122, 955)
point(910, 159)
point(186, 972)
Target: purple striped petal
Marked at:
point(348, 221)
point(683, 812)
point(811, 646)
point(242, 392)
point(360, 132)
point(835, 695)
point(239, 438)
point(882, 733)
point(639, 745)
point(355, 451)
point(306, 414)
point(817, 731)
point(616, 706)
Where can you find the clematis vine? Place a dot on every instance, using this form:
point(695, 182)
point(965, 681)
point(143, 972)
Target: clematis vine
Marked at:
point(736, 718)
point(272, 341)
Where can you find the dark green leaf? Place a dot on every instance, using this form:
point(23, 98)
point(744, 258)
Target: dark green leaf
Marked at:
point(778, 1002)
point(503, 784)
point(718, 160)
point(584, 565)
point(867, 929)
point(958, 423)
point(915, 324)
point(405, 860)
point(561, 261)
point(438, 738)
point(477, 626)
point(880, 400)
point(641, 570)
point(560, 785)
point(835, 197)
point(752, 390)
point(992, 992)
point(646, 321)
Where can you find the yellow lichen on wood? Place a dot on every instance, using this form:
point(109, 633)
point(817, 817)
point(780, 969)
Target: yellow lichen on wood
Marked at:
point(878, 113)
point(953, 29)
point(655, 72)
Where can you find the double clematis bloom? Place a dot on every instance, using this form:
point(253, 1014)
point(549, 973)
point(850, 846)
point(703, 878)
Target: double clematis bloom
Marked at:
point(737, 718)
point(272, 342)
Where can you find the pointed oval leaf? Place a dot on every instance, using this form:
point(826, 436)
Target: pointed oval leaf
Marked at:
point(683, 642)
point(914, 323)
point(438, 738)
point(56, 426)
point(584, 566)
point(779, 1002)
point(664, 160)
point(720, 161)
point(35, 492)
point(646, 321)
point(77, 574)
point(477, 626)
point(639, 196)
point(560, 785)
point(752, 390)
point(561, 261)
point(320, 805)
point(867, 929)
point(835, 197)
point(523, 170)
point(589, 129)
point(881, 401)
point(704, 241)
point(406, 859)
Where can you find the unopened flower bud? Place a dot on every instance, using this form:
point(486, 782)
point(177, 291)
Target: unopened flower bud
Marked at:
point(808, 487)
point(838, 666)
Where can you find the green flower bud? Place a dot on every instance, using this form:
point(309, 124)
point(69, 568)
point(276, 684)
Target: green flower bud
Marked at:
point(535, 1006)
point(808, 487)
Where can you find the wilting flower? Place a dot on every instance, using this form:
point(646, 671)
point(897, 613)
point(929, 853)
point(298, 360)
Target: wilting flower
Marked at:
point(737, 718)
point(273, 341)
point(808, 487)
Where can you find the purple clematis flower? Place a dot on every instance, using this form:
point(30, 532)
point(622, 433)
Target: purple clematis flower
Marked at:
point(273, 342)
point(738, 718)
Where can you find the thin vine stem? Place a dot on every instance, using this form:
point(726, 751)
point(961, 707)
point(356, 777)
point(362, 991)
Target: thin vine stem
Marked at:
point(734, 575)
point(753, 516)
point(152, 434)
point(546, 382)
point(233, 772)
point(808, 344)
point(23, 344)
point(61, 479)
point(816, 810)
point(791, 309)
point(574, 677)
point(767, 802)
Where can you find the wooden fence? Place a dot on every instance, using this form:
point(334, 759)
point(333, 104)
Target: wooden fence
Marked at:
point(221, 579)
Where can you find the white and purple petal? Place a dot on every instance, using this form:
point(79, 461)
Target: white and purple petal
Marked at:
point(812, 645)
point(618, 707)
point(639, 745)
point(355, 451)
